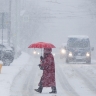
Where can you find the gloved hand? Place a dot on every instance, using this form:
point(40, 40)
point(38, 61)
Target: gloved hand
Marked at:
point(41, 58)
point(39, 65)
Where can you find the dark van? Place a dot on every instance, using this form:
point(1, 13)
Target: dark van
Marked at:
point(78, 49)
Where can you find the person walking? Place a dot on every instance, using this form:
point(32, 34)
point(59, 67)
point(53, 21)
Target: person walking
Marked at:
point(48, 76)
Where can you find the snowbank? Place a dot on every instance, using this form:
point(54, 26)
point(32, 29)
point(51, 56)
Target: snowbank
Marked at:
point(9, 72)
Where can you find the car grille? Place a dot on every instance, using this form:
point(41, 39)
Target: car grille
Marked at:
point(79, 54)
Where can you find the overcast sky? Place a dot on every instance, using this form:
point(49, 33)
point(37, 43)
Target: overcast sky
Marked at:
point(51, 20)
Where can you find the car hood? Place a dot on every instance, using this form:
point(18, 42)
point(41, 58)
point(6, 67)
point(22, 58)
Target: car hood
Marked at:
point(80, 50)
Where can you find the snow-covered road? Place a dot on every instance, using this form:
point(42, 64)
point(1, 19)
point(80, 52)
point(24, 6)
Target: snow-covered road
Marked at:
point(79, 79)
point(71, 79)
point(23, 83)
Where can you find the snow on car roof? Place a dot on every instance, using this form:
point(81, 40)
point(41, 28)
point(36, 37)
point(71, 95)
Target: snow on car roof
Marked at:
point(5, 42)
point(78, 36)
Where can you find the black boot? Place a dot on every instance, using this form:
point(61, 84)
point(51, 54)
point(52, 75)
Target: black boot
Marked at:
point(53, 90)
point(39, 89)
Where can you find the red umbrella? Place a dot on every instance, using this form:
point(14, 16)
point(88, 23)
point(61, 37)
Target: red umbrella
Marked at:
point(41, 45)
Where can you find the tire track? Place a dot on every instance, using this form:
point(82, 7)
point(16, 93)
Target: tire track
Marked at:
point(22, 75)
point(65, 84)
point(23, 82)
point(86, 78)
point(28, 87)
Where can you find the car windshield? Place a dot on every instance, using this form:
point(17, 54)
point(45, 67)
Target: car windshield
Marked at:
point(78, 43)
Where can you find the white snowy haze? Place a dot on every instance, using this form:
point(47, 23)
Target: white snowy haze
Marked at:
point(52, 20)
point(48, 21)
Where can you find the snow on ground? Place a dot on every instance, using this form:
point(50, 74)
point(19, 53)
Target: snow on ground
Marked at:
point(77, 79)
point(8, 73)
point(71, 79)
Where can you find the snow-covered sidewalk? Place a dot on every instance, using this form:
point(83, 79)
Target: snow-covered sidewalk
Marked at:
point(8, 73)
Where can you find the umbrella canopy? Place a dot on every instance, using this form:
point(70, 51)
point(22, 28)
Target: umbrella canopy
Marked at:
point(41, 45)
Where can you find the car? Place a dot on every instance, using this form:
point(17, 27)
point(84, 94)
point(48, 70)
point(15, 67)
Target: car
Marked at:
point(36, 53)
point(78, 49)
point(6, 54)
point(5, 43)
point(62, 51)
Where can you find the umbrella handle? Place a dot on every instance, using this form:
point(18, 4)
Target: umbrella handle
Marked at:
point(41, 51)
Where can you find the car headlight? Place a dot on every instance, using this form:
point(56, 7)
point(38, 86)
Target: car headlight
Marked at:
point(63, 51)
point(87, 54)
point(34, 52)
point(38, 53)
point(53, 54)
point(70, 54)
